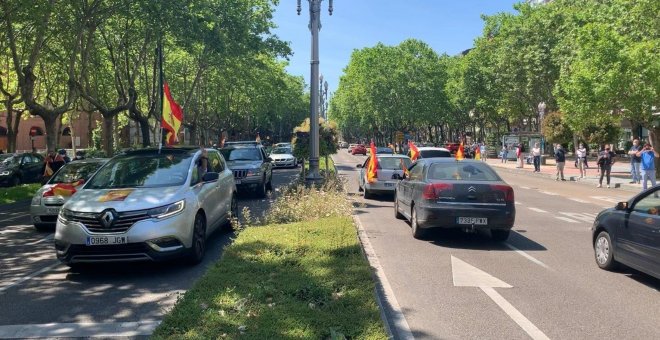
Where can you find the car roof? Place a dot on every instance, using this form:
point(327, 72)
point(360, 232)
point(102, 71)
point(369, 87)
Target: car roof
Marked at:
point(251, 142)
point(89, 160)
point(168, 150)
point(425, 148)
point(242, 146)
point(450, 160)
point(386, 155)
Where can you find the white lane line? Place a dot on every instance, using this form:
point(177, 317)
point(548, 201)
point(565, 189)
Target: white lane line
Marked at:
point(15, 217)
point(401, 328)
point(527, 256)
point(565, 219)
point(607, 199)
point(537, 210)
point(548, 193)
point(518, 203)
point(514, 314)
point(522, 187)
point(18, 280)
point(47, 238)
point(578, 200)
point(79, 330)
point(584, 217)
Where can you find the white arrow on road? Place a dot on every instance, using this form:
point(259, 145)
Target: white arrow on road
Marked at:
point(466, 275)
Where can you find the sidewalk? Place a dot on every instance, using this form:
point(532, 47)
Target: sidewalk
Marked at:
point(620, 175)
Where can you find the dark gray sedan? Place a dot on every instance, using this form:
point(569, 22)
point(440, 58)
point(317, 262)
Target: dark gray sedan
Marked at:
point(446, 193)
point(629, 234)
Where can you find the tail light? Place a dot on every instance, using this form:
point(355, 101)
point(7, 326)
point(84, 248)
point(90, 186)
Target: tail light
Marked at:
point(432, 191)
point(506, 190)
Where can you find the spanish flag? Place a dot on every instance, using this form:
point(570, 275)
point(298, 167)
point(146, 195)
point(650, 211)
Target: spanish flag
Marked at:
point(372, 167)
point(477, 152)
point(414, 152)
point(460, 154)
point(172, 116)
point(64, 189)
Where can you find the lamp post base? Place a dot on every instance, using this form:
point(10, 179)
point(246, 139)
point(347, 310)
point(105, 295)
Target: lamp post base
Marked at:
point(313, 175)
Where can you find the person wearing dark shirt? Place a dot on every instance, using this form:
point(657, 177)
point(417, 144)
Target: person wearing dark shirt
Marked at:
point(635, 162)
point(560, 160)
point(605, 161)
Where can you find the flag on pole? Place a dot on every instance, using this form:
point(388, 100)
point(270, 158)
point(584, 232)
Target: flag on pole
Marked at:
point(477, 152)
point(414, 151)
point(172, 116)
point(404, 167)
point(460, 154)
point(372, 167)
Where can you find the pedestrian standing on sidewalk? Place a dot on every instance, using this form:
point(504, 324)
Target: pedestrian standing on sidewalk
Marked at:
point(647, 166)
point(581, 154)
point(536, 153)
point(560, 160)
point(635, 162)
point(504, 153)
point(519, 156)
point(482, 150)
point(605, 161)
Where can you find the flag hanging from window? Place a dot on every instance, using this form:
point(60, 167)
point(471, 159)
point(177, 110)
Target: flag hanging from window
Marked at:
point(460, 153)
point(372, 166)
point(477, 152)
point(172, 116)
point(414, 151)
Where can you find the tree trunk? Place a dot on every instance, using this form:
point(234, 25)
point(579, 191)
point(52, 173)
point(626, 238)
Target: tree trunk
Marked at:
point(107, 135)
point(90, 129)
point(12, 126)
point(59, 131)
point(144, 130)
point(51, 131)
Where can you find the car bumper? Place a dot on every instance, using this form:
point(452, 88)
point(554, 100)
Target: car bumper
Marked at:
point(148, 240)
point(381, 187)
point(284, 163)
point(248, 182)
point(447, 216)
point(44, 215)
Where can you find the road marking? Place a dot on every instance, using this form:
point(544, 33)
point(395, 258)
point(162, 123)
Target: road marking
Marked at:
point(13, 218)
point(565, 219)
point(79, 330)
point(18, 280)
point(537, 210)
point(527, 256)
point(466, 275)
point(47, 238)
point(518, 203)
point(607, 199)
point(548, 193)
point(399, 322)
point(578, 200)
point(522, 187)
point(584, 217)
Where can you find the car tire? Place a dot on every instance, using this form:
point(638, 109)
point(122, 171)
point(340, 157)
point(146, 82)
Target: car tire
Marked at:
point(261, 190)
point(269, 186)
point(198, 248)
point(44, 227)
point(366, 194)
point(397, 214)
point(417, 232)
point(500, 235)
point(603, 252)
point(232, 224)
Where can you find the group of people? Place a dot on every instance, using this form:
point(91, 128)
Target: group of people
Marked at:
point(55, 160)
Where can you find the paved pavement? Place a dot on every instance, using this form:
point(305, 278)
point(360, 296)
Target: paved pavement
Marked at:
point(39, 296)
point(542, 283)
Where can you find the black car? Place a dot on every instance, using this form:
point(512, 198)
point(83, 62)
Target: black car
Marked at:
point(23, 168)
point(629, 234)
point(446, 193)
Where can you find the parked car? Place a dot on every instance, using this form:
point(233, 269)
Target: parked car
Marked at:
point(283, 157)
point(351, 147)
point(629, 234)
point(245, 142)
point(445, 193)
point(147, 204)
point(283, 145)
point(389, 171)
point(359, 149)
point(48, 200)
point(252, 168)
point(21, 168)
point(384, 151)
point(431, 152)
point(343, 145)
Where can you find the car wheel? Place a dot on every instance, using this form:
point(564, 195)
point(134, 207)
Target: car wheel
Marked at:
point(44, 227)
point(397, 213)
point(417, 232)
point(16, 181)
point(367, 195)
point(198, 248)
point(604, 251)
point(261, 190)
point(270, 183)
point(233, 210)
point(500, 235)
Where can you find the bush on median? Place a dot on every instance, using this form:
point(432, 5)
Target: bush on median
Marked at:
point(19, 193)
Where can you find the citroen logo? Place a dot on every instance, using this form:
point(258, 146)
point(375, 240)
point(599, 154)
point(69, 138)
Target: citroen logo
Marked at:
point(472, 189)
point(107, 218)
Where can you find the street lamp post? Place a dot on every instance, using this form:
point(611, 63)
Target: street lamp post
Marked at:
point(314, 27)
point(541, 108)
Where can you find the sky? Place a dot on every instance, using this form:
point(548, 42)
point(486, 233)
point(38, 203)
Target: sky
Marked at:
point(448, 26)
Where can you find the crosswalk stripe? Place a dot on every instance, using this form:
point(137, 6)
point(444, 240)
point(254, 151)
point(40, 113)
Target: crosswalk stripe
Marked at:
point(549, 193)
point(608, 199)
point(579, 216)
point(578, 200)
point(565, 219)
point(537, 210)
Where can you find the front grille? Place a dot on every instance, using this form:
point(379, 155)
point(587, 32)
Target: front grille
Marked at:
point(240, 173)
point(123, 221)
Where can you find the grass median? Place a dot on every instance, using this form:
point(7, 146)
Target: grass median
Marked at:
point(296, 276)
point(18, 193)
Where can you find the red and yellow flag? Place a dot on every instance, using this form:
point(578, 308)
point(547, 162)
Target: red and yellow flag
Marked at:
point(372, 167)
point(414, 151)
point(404, 167)
point(172, 116)
point(477, 152)
point(460, 154)
point(64, 189)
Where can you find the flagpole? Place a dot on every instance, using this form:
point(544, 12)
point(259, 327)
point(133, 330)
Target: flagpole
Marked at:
point(160, 92)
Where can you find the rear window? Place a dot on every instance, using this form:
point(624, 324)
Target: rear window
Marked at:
point(434, 153)
point(459, 171)
point(73, 172)
point(393, 163)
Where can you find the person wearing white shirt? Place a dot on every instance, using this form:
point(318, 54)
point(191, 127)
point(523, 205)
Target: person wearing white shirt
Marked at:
point(536, 153)
point(581, 154)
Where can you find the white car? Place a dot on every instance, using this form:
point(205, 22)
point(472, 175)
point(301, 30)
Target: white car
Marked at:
point(282, 158)
point(390, 169)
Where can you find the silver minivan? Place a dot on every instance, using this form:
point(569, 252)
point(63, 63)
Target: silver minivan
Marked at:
point(149, 205)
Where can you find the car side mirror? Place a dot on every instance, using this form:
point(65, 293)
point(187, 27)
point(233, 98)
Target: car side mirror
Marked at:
point(210, 177)
point(358, 166)
point(621, 206)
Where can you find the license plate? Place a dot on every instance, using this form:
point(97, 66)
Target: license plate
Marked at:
point(238, 181)
point(52, 211)
point(106, 240)
point(387, 185)
point(472, 220)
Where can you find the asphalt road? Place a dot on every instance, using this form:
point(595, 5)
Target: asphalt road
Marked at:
point(555, 290)
point(38, 292)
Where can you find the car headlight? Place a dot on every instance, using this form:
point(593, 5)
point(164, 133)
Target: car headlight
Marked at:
point(5, 173)
point(36, 200)
point(64, 216)
point(254, 172)
point(167, 210)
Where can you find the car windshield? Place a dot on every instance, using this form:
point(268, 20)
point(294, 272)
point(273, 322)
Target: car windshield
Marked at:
point(74, 171)
point(434, 153)
point(280, 151)
point(241, 154)
point(393, 163)
point(142, 171)
point(459, 171)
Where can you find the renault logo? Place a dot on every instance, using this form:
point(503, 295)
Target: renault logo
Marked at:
point(107, 218)
point(472, 189)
